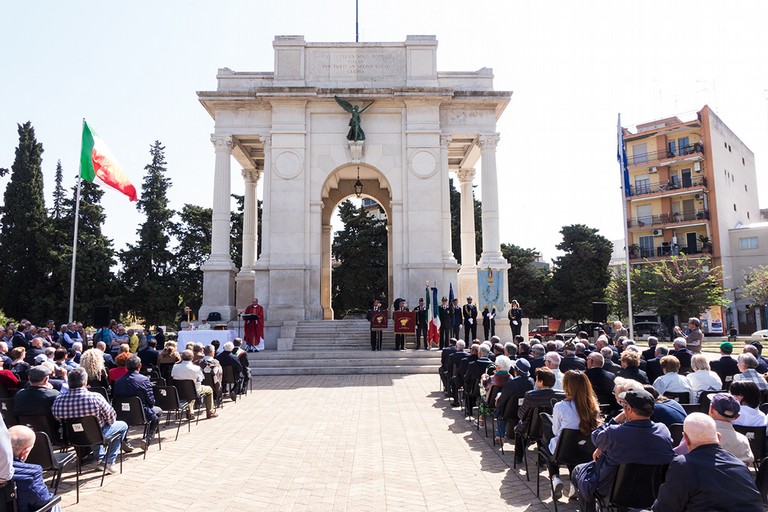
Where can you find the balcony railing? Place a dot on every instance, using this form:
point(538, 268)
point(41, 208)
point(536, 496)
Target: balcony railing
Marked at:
point(664, 154)
point(641, 190)
point(667, 218)
point(665, 250)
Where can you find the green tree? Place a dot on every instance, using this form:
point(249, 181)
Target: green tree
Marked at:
point(756, 286)
point(26, 258)
point(193, 233)
point(59, 195)
point(236, 230)
point(360, 250)
point(581, 275)
point(527, 283)
point(148, 266)
point(455, 202)
point(95, 283)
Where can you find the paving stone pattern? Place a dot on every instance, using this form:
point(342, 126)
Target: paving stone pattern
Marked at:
point(356, 443)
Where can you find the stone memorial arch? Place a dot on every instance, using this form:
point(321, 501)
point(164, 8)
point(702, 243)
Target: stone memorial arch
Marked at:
point(286, 129)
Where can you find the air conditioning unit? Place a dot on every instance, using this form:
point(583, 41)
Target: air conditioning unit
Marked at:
point(657, 232)
point(697, 166)
point(699, 196)
point(653, 170)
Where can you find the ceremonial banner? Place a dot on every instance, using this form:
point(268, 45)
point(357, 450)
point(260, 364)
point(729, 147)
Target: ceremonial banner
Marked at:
point(378, 320)
point(489, 282)
point(405, 322)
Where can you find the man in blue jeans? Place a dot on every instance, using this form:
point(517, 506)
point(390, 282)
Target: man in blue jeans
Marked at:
point(79, 402)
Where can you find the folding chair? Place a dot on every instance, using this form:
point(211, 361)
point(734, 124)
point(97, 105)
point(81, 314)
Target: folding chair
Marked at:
point(756, 437)
point(218, 395)
point(42, 423)
point(681, 398)
point(705, 399)
point(573, 448)
point(167, 398)
point(691, 408)
point(229, 382)
point(510, 416)
point(100, 390)
point(188, 393)
point(676, 429)
point(84, 432)
point(635, 486)
point(534, 433)
point(42, 454)
point(130, 409)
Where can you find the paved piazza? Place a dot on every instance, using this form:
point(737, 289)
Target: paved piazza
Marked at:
point(321, 443)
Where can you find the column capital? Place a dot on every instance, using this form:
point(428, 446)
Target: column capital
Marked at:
point(445, 140)
point(251, 175)
point(221, 142)
point(488, 141)
point(466, 175)
point(266, 139)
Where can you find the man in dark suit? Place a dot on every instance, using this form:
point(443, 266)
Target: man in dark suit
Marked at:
point(37, 398)
point(444, 313)
point(682, 354)
point(444, 370)
point(541, 396)
point(148, 355)
point(536, 356)
point(454, 363)
point(726, 366)
point(375, 334)
point(421, 325)
point(601, 380)
point(569, 360)
point(475, 370)
point(653, 369)
point(134, 383)
point(650, 352)
point(608, 364)
point(35, 349)
point(227, 358)
point(469, 312)
point(456, 318)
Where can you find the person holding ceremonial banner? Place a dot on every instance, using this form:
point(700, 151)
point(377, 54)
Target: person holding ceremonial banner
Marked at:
point(254, 326)
point(378, 318)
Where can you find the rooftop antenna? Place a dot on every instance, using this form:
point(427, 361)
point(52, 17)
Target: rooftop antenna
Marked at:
point(357, 31)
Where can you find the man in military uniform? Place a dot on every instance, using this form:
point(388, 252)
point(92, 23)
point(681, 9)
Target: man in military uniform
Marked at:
point(444, 312)
point(421, 325)
point(469, 312)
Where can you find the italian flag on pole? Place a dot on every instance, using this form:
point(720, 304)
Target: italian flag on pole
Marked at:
point(96, 161)
point(433, 318)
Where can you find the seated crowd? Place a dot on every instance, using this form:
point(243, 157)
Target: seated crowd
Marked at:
point(660, 406)
point(50, 377)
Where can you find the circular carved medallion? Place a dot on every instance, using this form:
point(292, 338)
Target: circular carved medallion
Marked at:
point(287, 165)
point(423, 163)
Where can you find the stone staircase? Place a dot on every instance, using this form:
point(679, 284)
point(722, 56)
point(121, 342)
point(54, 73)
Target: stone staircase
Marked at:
point(343, 347)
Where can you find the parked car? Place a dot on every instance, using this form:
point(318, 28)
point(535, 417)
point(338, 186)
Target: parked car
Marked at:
point(761, 336)
point(644, 329)
point(543, 331)
point(588, 327)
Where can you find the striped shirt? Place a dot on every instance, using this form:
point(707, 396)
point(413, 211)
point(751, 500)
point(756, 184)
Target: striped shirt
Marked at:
point(81, 402)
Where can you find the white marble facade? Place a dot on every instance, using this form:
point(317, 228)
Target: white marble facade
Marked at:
point(285, 129)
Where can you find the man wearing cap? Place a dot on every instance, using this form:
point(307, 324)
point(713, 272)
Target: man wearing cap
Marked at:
point(421, 325)
point(725, 367)
point(708, 477)
point(37, 398)
point(629, 438)
point(444, 313)
point(514, 390)
point(569, 360)
point(694, 338)
point(469, 312)
point(724, 409)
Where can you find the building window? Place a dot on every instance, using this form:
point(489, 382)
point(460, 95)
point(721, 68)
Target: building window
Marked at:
point(642, 185)
point(748, 243)
point(684, 146)
point(640, 154)
point(646, 246)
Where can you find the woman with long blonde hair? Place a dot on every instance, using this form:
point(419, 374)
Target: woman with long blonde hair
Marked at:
point(579, 411)
point(92, 361)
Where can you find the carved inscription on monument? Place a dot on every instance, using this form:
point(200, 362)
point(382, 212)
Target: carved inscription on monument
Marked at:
point(354, 64)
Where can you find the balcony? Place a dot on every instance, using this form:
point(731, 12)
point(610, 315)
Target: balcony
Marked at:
point(665, 250)
point(667, 218)
point(664, 154)
point(642, 190)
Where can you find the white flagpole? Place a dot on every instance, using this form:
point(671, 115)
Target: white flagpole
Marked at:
point(74, 242)
point(622, 159)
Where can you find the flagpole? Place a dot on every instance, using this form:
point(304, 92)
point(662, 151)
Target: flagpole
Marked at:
point(74, 241)
point(623, 168)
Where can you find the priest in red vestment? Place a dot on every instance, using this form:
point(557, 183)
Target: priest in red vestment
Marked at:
point(254, 326)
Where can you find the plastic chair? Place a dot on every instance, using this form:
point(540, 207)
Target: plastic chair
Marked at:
point(130, 409)
point(84, 432)
point(188, 393)
point(764, 408)
point(42, 423)
point(42, 454)
point(100, 390)
point(573, 448)
point(756, 438)
point(705, 400)
point(167, 398)
point(635, 486)
point(8, 499)
point(676, 429)
point(510, 416)
point(229, 382)
point(691, 408)
point(533, 433)
point(681, 398)
point(762, 480)
point(218, 397)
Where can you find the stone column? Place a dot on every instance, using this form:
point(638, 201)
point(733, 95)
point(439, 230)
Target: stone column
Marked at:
point(245, 277)
point(218, 270)
point(326, 296)
point(491, 255)
point(448, 256)
point(468, 271)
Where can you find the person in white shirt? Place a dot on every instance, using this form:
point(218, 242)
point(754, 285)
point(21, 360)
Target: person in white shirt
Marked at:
point(552, 361)
point(204, 325)
point(186, 370)
point(671, 380)
point(748, 396)
point(702, 378)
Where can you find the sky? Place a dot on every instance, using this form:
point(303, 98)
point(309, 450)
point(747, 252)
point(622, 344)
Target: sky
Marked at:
point(132, 69)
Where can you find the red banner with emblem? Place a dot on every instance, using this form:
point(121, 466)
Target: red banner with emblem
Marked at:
point(405, 322)
point(379, 320)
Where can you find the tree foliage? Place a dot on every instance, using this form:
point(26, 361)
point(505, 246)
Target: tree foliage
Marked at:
point(148, 266)
point(527, 283)
point(756, 286)
point(26, 259)
point(194, 235)
point(59, 195)
point(360, 252)
point(581, 275)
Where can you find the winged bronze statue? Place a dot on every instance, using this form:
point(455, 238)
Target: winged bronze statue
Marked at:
point(355, 130)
